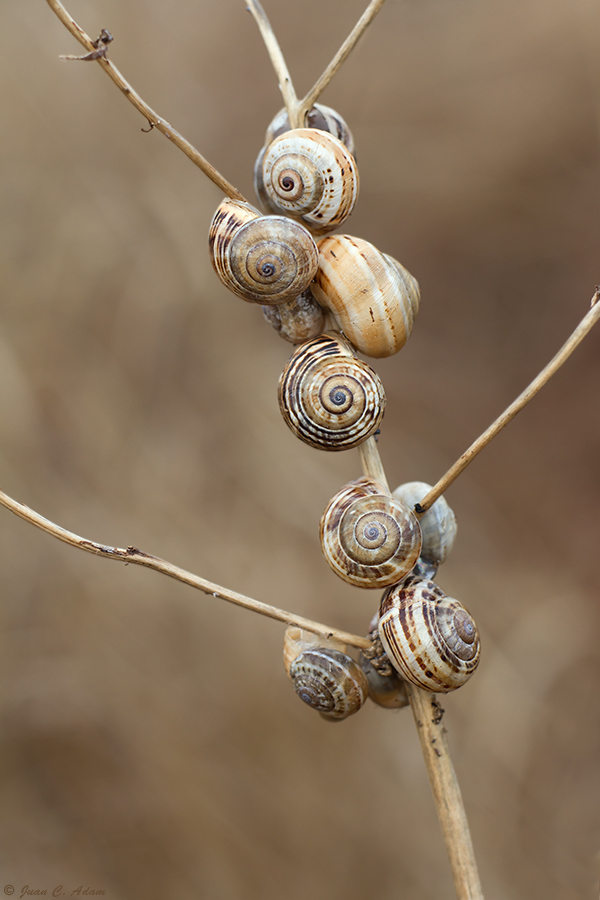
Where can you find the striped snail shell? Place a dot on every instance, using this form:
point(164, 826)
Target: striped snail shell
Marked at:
point(298, 319)
point(310, 175)
point(430, 638)
point(373, 298)
point(325, 677)
point(263, 259)
point(319, 116)
point(368, 538)
point(328, 398)
point(438, 524)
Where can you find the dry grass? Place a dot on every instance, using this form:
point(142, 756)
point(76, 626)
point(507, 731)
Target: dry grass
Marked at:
point(151, 744)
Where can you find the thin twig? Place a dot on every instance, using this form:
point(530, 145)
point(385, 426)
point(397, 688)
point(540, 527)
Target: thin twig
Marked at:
point(138, 557)
point(154, 120)
point(444, 784)
point(586, 324)
point(286, 86)
point(297, 109)
point(428, 713)
point(339, 58)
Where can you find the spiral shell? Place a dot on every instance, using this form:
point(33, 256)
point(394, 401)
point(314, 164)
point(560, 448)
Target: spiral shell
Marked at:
point(263, 259)
point(324, 677)
point(368, 538)
point(388, 691)
point(438, 525)
point(328, 398)
point(319, 116)
point(310, 175)
point(430, 638)
point(298, 319)
point(373, 298)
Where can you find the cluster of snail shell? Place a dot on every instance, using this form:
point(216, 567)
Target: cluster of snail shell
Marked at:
point(334, 296)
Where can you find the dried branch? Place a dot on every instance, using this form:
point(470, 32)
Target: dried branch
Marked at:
point(277, 59)
point(586, 324)
point(297, 109)
point(340, 57)
point(154, 120)
point(138, 557)
point(428, 713)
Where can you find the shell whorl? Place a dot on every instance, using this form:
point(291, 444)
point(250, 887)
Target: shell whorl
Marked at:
point(296, 320)
point(373, 298)
point(368, 538)
point(310, 175)
point(438, 525)
point(430, 638)
point(263, 259)
point(329, 681)
point(328, 398)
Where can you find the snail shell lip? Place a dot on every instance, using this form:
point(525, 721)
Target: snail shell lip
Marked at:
point(328, 398)
point(430, 638)
point(368, 538)
point(311, 175)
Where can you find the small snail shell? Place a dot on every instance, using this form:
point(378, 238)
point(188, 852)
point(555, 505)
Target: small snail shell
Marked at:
point(368, 538)
point(328, 398)
point(319, 116)
point(373, 298)
point(430, 638)
point(263, 259)
point(297, 640)
point(328, 680)
point(388, 691)
point(310, 175)
point(298, 319)
point(438, 525)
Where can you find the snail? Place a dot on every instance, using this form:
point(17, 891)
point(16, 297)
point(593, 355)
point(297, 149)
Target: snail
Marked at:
point(298, 319)
point(310, 175)
point(323, 675)
point(263, 259)
point(319, 116)
point(430, 638)
point(373, 298)
point(328, 398)
point(438, 524)
point(369, 538)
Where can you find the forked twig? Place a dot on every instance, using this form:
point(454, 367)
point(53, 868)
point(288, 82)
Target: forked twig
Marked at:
point(586, 324)
point(153, 118)
point(139, 558)
point(297, 109)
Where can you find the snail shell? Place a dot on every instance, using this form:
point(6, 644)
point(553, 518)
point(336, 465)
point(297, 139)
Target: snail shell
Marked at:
point(368, 538)
point(298, 319)
point(319, 116)
point(263, 259)
point(430, 638)
point(327, 679)
point(373, 298)
point(388, 691)
point(328, 398)
point(310, 175)
point(438, 525)
point(297, 640)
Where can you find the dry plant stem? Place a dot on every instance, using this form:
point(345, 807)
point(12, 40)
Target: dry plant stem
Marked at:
point(339, 58)
point(155, 121)
point(522, 400)
point(277, 59)
point(444, 784)
point(297, 109)
point(446, 793)
point(138, 557)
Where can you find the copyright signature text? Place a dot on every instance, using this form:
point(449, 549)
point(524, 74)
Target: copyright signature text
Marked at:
point(58, 891)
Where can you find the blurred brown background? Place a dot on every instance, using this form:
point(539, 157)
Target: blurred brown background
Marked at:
point(151, 745)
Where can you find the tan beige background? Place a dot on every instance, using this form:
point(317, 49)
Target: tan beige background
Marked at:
point(151, 745)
